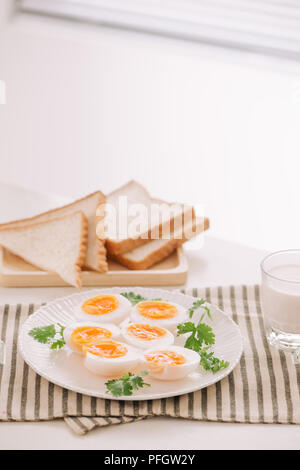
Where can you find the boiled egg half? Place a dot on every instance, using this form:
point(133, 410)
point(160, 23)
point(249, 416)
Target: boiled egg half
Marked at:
point(145, 336)
point(156, 312)
point(110, 358)
point(104, 308)
point(171, 363)
point(82, 334)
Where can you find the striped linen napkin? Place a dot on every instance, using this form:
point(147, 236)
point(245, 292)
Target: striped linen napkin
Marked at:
point(263, 388)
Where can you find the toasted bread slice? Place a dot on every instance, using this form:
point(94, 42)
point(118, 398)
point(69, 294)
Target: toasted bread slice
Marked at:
point(57, 245)
point(151, 253)
point(96, 252)
point(133, 193)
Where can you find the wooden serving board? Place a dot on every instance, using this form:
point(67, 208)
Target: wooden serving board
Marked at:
point(15, 272)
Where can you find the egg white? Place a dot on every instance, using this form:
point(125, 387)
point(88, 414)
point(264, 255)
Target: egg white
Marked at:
point(172, 372)
point(116, 316)
point(113, 367)
point(115, 331)
point(162, 342)
point(169, 323)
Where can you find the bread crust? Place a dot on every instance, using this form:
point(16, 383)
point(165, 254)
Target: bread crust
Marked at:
point(82, 247)
point(160, 253)
point(100, 240)
point(82, 250)
point(123, 246)
point(102, 256)
point(152, 259)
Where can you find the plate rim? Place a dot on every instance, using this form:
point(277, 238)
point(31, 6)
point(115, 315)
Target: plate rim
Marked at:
point(107, 396)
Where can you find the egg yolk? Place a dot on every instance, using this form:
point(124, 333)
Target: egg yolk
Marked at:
point(146, 332)
point(100, 305)
point(106, 349)
point(170, 358)
point(157, 310)
point(89, 334)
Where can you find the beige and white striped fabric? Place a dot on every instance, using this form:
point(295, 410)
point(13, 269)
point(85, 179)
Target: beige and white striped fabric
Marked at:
point(263, 388)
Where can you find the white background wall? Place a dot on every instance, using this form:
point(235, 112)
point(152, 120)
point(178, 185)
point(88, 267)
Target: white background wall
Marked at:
point(90, 107)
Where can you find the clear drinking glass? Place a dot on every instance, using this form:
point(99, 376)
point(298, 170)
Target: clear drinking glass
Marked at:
point(280, 289)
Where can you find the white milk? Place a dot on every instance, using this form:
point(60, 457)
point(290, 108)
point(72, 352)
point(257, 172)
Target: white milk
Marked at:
point(281, 302)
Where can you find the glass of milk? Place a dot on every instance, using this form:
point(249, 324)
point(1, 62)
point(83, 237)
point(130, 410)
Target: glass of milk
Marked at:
point(280, 290)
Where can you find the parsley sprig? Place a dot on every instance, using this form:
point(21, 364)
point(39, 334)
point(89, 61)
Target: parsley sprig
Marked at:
point(126, 384)
point(211, 363)
point(200, 334)
point(50, 334)
point(134, 298)
point(201, 338)
point(197, 304)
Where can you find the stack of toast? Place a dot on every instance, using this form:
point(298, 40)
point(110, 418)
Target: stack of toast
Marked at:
point(78, 236)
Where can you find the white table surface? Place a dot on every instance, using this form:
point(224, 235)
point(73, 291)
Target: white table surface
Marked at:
point(217, 263)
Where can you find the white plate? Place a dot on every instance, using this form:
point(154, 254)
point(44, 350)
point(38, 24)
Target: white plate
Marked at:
point(67, 370)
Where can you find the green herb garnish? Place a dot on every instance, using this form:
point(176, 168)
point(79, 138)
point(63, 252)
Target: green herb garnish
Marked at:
point(197, 304)
point(201, 338)
point(134, 298)
point(200, 334)
point(50, 334)
point(209, 362)
point(126, 384)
